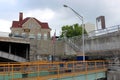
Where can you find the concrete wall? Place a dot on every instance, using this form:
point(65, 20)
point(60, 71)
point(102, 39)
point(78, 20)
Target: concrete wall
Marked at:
point(40, 48)
point(68, 50)
point(113, 75)
point(107, 45)
point(104, 44)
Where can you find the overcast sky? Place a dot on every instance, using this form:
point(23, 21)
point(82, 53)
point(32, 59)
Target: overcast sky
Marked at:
point(53, 12)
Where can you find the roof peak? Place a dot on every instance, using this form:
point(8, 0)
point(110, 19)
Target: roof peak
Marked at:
point(18, 24)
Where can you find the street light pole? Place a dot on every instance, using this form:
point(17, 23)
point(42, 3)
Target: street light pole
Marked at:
point(81, 18)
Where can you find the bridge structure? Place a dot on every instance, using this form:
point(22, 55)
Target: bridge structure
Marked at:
point(13, 50)
point(101, 44)
point(98, 44)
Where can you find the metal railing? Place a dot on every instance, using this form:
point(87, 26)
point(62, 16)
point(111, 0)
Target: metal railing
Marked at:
point(104, 31)
point(46, 70)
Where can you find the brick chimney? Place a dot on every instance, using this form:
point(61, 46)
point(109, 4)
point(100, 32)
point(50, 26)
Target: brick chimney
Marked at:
point(20, 16)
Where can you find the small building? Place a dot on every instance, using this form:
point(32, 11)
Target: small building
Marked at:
point(89, 27)
point(30, 27)
point(100, 22)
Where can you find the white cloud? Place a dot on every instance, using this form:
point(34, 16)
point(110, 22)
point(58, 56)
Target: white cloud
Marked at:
point(12, 2)
point(112, 12)
point(5, 25)
point(61, 18)
point(42, 15)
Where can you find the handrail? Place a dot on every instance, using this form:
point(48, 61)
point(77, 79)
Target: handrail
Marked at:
point(104, 31)
point(50, 68)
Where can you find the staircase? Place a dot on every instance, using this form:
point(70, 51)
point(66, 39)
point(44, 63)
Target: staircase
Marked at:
point(74, 45)
point(12, 57)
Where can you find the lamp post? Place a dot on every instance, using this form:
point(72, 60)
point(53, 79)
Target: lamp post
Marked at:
point(81, 18)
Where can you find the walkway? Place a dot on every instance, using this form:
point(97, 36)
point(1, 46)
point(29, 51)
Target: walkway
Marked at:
point(50, 70)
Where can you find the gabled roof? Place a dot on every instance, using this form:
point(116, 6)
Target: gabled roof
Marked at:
point(15, 24)
point(18, 24)
point(43, 25)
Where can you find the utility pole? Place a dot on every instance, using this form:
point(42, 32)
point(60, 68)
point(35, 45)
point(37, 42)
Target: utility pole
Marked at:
point(81, 18)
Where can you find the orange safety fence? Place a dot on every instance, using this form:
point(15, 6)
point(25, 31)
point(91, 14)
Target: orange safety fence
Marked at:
point(38, 69)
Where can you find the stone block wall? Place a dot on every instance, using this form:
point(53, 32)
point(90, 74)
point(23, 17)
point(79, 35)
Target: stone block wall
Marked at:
point(41, 48)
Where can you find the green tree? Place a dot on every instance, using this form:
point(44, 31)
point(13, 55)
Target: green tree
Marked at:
point(72, 30)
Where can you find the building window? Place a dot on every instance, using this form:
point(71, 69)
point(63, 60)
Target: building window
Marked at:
point(24, 35)
point(26, 30)
point(39, 36)
point(16, 34)
point(31, 36)
point(45, 36)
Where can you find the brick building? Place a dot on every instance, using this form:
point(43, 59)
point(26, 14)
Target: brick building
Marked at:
point(30, 27)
